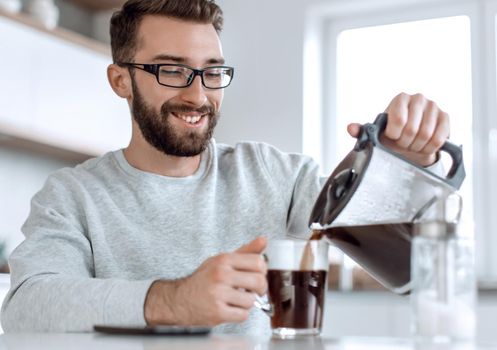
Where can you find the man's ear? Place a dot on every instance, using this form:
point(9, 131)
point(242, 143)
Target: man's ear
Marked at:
point(120, 80)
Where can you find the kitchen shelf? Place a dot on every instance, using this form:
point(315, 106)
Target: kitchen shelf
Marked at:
point(57, 91)
point(61, 33)
point(33, 147)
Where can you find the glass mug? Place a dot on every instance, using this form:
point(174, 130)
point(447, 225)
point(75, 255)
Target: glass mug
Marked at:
point(297, 284)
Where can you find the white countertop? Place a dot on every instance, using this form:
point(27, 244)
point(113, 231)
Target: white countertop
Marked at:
point(55, 341)
point(356, 320)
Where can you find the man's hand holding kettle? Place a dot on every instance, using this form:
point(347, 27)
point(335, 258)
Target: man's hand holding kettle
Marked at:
point(416, 128)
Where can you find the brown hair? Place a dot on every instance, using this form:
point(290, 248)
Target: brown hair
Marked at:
point(124, 23)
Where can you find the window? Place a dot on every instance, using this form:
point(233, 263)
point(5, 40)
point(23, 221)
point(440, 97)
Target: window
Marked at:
point(375, 50)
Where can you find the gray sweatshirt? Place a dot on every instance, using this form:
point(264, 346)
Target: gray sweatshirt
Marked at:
point(99, 234)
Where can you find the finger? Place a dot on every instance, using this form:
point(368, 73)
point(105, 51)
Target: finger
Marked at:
point(248, 262)
point(426, 127)
point(256, 246)
point(240, 298)
point(233, 314)
point(441, 134)
point(353, 129)
point(397, 112)
point(415, 115)
point(250, 281)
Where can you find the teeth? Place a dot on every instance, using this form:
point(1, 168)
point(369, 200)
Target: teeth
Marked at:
point(190, 119)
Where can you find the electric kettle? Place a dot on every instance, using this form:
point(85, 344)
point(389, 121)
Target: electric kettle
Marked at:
point(372, 199)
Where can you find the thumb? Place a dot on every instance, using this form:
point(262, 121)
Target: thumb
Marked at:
point(256, 246)
point(353, 129)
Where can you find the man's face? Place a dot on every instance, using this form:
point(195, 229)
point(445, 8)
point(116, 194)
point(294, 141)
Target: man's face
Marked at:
point(176, 121)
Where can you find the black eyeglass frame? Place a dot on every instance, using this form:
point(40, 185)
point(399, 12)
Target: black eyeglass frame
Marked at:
point(154, 69)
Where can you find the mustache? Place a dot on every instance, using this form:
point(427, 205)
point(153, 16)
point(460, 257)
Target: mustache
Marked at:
point(168, 108)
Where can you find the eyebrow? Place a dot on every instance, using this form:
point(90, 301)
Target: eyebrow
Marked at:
point(178, 59)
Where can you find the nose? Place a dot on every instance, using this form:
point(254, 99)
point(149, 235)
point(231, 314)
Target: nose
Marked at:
point(195, 93)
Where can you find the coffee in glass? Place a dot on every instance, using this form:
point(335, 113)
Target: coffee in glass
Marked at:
point(297, 275)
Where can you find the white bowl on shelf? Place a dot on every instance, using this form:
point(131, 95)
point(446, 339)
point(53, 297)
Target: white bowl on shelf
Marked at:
point(11, 6)
point(44, 11)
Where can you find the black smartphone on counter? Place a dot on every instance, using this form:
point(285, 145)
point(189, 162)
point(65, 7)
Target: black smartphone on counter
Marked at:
point(153, 330)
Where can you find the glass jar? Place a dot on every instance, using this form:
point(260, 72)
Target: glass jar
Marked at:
point(443, 282)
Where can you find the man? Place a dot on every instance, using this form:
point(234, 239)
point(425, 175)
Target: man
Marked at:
point(170, 230)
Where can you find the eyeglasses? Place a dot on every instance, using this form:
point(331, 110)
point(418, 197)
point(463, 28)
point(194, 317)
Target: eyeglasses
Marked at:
point(181, 76)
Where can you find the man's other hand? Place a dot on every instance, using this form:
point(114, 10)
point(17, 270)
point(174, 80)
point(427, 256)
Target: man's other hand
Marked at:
point(221, 290)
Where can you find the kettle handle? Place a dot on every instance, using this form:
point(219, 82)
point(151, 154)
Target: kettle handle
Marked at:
point(456, 174)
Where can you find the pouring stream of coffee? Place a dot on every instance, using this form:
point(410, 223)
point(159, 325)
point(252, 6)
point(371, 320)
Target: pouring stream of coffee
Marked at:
point(307, 260)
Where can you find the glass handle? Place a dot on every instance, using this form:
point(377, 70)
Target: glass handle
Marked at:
point(263, 304)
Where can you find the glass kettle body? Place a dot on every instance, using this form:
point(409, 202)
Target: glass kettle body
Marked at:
point(371, 200)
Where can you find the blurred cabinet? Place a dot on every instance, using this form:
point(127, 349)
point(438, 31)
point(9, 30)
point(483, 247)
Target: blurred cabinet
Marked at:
point(55, 91)
point(98, 5)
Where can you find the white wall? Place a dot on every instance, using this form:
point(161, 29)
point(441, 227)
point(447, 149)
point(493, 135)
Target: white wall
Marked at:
point(263, 40)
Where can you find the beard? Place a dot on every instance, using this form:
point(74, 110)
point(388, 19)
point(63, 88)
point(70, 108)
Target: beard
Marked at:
point(159, 132)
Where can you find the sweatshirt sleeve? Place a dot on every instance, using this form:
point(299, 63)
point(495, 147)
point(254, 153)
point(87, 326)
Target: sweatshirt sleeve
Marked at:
point(298, 181)
point(53, 287)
